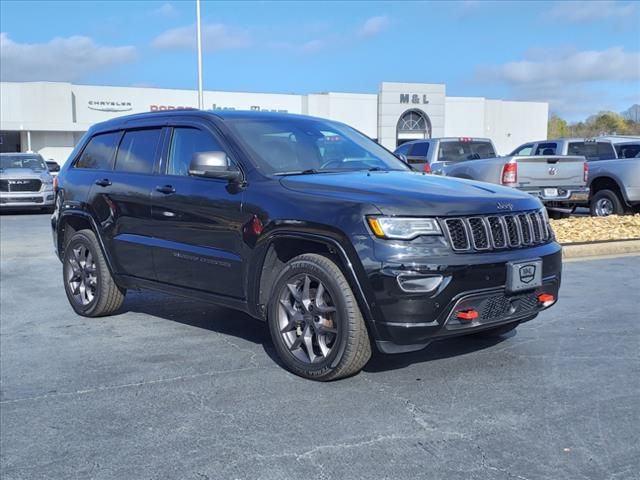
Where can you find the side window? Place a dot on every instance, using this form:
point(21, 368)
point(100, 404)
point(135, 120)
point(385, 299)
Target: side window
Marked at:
point(522, 150)
point(185, 142)
point(546, 149)
point(403, 149)
point(419, 149)
point(99, 152)
point(605, 151)
point(137, 152)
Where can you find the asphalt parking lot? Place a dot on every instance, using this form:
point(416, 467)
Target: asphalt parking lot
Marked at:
point(173, 389)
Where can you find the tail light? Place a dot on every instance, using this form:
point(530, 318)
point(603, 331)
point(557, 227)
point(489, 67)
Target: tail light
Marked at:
point(585, 170)
point(427, 167)
point(510, 174)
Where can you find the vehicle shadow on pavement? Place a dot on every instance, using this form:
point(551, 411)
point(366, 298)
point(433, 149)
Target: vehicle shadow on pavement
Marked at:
point(237, 324)
point(452, 347)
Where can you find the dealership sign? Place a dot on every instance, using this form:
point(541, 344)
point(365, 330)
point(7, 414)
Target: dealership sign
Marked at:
point(109, 106)
point(413, 98)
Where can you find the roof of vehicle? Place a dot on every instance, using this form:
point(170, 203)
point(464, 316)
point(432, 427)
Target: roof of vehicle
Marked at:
point(605, 138)
point(220, 114)
point(446, 139)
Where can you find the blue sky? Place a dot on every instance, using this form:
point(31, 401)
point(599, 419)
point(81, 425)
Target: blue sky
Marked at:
point(582, 57)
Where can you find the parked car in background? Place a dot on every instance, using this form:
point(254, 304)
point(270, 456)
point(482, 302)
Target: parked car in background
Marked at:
point(25, 182)
point(559, 181)
point(615, 183)
point(53, 167)
point(301, 222)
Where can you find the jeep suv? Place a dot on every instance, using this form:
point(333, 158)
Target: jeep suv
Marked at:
point(303, 223)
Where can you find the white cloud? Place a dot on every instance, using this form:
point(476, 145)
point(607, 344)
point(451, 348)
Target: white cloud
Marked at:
point(215, 36)
point(575, 83)
point(613, 64)
point(166, 10)
point(60, 59)
point(373, 26)
point(592, 11)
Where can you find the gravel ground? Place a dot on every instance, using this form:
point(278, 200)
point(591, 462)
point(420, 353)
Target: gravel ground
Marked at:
point(590, 229)
point(175, 389)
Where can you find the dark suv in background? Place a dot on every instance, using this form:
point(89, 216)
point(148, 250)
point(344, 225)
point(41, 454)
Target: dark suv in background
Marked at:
point(301, 222)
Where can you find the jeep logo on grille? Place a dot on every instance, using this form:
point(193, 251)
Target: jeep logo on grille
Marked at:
point(527, 273)
point(504, 206)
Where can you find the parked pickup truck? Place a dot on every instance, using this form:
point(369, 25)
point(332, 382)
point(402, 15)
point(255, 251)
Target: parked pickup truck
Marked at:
point(614, 170)
point(559, 181)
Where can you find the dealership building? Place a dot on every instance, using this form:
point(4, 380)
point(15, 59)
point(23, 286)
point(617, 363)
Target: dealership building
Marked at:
point(51, 117)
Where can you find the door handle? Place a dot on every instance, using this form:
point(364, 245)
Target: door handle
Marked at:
point(105, 182)
point(166, 189)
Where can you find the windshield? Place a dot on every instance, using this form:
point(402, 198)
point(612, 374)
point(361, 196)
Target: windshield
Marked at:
point(34, 162)
point(293, 145)
point(459, 151)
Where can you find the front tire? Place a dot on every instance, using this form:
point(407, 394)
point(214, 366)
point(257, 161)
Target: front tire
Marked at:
point(88, 283)
point(605, 203)
point(315, 322)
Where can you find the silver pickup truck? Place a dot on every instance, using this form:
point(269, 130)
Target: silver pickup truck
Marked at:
point(25, 182)
point(559, 181)
point(614, 169)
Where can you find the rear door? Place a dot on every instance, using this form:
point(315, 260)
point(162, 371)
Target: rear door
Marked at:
point(121, 201)
point(197, 221)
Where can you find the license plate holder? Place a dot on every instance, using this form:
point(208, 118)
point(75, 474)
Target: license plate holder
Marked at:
point(550, 192)
point(524, 275)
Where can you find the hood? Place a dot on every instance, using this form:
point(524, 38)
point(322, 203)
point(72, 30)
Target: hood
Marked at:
point(24, 173)
point(413, 193)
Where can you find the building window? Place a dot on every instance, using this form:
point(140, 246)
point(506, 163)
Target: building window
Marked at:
point(413, 124)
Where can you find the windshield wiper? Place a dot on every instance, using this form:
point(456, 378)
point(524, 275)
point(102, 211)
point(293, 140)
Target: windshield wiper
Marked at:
point(308, 171)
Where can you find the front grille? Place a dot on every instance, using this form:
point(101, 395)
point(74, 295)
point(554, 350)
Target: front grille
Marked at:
point(497, 232)
point(18, 185)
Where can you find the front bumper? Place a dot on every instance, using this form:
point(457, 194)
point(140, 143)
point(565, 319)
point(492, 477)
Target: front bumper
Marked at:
point(565, 195)
point(16, 200)
point(410, 321)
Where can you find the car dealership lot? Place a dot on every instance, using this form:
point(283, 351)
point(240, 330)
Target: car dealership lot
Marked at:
point(171, 388)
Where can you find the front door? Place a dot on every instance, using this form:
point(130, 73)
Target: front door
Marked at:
point(197, 221)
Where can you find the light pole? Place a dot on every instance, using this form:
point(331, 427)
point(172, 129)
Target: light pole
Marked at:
point(199, 42)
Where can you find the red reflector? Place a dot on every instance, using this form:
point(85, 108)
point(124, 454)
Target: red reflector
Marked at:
point(256, 226)
point(467, 314)
point(546, 297)
point(427, 168)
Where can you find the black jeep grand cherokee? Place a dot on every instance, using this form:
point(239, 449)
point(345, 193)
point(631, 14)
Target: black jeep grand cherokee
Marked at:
point(304, 223)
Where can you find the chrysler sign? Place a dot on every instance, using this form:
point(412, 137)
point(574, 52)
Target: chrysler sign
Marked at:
point(109, 105)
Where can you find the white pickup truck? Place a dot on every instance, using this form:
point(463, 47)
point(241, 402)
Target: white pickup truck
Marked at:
point(558, 180)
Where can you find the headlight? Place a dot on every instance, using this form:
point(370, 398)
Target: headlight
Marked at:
point(48, 181)
point(403, 228)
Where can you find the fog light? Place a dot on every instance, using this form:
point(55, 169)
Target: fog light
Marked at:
point(417, 283)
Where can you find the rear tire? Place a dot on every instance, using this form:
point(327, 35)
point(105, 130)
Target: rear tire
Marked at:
point(88, 283)
point(605, 203)
point(315, 322)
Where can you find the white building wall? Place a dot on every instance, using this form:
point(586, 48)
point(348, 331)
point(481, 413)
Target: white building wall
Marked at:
point(464, 117)
point(53, 145)
point(510, 124)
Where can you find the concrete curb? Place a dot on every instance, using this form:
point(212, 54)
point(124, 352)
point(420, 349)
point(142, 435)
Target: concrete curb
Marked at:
point(600, 249)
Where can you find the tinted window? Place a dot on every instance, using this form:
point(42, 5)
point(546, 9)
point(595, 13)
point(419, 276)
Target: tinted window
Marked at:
point(546, 149)
point(605, 151)
point(628, 150)
point(592, 150)
point(403, 149)
point(522, 150)
point(99, 152)
point(185, 142)
point(459, 151)
point(137, 152)
point(419, 149)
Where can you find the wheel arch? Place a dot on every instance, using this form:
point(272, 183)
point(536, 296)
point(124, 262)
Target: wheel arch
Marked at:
point(281, 247)
point(72, 221)
point(607, 183)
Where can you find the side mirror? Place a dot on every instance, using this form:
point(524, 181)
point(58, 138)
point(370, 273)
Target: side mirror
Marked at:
point(213, 165)
point(402, 157)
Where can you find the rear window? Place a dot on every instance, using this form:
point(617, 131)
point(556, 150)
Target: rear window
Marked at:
point(137, 152)
point(628, 151)
point(419, 149)
point(99, 152)
point(546, 149)
point(592, 150)
point(460, 151)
